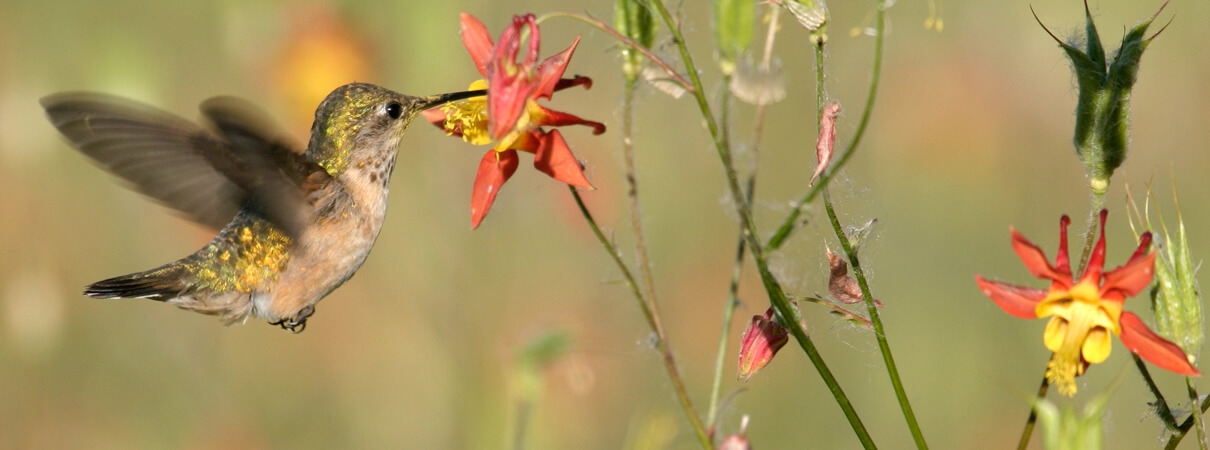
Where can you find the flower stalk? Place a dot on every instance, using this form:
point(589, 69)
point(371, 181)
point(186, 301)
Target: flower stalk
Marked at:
point(777, 296)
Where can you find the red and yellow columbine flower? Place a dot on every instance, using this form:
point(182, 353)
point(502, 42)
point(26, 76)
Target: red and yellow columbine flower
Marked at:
point(510, 116)
point(1084, 312)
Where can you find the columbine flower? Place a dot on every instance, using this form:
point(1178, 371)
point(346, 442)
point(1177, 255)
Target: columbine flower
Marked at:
point(1083, 312)
point(763, 338)
point(510, 116)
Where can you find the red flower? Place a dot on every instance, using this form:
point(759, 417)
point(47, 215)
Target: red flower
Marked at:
point(1084, 312)
point(763, 338)
point(510, 115)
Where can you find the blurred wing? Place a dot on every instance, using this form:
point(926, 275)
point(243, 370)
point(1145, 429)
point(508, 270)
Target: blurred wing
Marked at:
point(163, 155)
point(262, 160)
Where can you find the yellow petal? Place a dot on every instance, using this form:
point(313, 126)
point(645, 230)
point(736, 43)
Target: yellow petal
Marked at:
point(1097, 345)
point(1056, 332)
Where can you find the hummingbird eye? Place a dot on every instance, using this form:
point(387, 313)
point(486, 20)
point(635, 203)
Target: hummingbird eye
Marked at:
point(394, 109)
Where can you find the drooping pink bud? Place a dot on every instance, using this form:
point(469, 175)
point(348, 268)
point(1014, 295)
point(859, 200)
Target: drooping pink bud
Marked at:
point(763, 338)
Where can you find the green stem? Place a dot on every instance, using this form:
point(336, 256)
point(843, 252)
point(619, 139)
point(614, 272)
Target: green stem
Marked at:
point(680, 80)
point(733, 289)
point(1197, 415)
point(661, 342)
point(876, 320)
point(728, 312)
point(1028, 430)
point(1161, 405)
point(636, 212)
point(1186, 425)
point(1090, 236)
point(524, 407)
point(791, 221)
point(785, 311)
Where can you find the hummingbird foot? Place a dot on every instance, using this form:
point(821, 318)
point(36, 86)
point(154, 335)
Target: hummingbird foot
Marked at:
point(299, 323)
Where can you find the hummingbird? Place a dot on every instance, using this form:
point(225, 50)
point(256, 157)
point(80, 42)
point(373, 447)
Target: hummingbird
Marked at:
point(293, 224)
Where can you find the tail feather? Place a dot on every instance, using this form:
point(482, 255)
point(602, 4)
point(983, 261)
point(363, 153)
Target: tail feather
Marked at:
point(164, 283)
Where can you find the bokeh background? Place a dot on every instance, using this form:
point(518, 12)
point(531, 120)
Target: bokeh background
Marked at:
point(971, 134)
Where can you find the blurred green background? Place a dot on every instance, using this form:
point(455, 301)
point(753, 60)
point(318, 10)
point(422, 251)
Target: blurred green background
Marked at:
point(971, 134)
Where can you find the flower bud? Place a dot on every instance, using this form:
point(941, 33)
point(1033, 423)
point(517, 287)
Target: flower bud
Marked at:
point(734, 23)
point(632, 19)
point(738, 441)
point(1174, 296)
point(812, 15)
point(763, 338)
point(1067, 428)
point(1103, 106)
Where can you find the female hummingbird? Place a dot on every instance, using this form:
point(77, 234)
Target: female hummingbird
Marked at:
point(294, 225)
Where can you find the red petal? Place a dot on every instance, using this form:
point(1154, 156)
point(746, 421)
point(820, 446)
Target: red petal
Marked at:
point(1036, 262)
point(1062, 263)
point(544, 117)
point(494, 170)
point(477, 42)
point(1130, 279)
point(554, 158)
point(573, 81)
point(1153, 348)
point(435, 116)
point(1020, 301)
point(550, 72)
point(510, 85)
point(1096, 263)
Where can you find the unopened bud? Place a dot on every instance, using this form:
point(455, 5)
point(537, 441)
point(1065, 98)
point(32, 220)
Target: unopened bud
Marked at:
point(734, 23)
point(1103, 107)
point(761, 341)
point(632, 19)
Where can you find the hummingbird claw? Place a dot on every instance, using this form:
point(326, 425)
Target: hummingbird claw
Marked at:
point(299, 323)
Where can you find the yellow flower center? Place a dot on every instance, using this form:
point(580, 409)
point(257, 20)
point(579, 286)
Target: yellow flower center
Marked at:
point(1078, 333)
point(470, 115)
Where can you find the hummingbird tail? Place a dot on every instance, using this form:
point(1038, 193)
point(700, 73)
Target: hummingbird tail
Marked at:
point(170, 284)
point(164, 283)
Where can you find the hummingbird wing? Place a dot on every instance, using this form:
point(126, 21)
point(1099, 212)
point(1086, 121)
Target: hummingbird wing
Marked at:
point(154, 150)
point(208, 175)
point(264, 161)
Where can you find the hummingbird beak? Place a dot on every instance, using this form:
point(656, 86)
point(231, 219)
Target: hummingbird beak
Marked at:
point(432, 101)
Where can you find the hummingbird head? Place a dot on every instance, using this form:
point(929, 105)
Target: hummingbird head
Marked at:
point(361, 124)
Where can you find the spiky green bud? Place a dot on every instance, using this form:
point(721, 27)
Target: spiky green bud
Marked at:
point(1175, 297)
point(1102, 129)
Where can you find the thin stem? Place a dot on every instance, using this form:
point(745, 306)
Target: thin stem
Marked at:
point(733, 289)
point(1186, 425)
point(728, 312)
point(785, 312)
point(625, 40)
point(524, 408)
point(741, 246)
point(652, 321)
point(1161, 405)
point(791, 221)
point(1090, 236)
point(636, 213)
point(1197, 415)
point(1028, 430)
point(848, 315)
point(876, 319)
